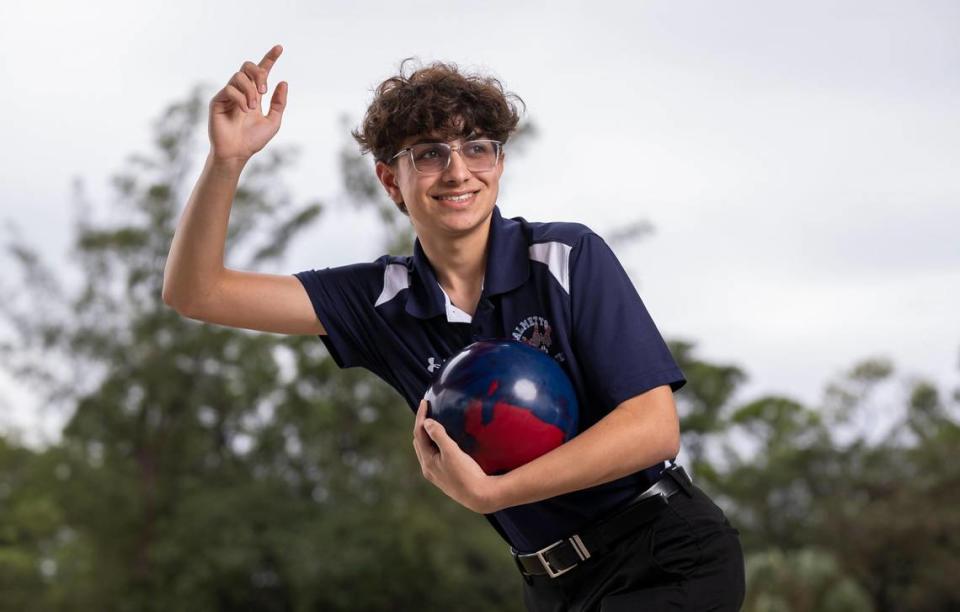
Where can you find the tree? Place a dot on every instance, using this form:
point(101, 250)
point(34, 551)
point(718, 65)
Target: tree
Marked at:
point(882, 513)
point(703, 401)
point(29, 520)
point(208, 468)
point(804, 580)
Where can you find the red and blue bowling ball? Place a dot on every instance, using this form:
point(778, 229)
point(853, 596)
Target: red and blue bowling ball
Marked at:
point(505, 403)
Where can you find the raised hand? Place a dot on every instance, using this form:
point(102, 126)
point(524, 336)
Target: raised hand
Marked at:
point(237, 126)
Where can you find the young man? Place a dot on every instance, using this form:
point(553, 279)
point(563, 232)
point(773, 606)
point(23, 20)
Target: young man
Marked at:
point(598, 523)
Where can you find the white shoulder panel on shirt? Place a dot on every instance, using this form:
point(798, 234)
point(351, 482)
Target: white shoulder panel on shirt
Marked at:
point(556, 256)
point(396, 278)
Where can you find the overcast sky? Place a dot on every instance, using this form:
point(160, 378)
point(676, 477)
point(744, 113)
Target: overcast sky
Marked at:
point(798, 161)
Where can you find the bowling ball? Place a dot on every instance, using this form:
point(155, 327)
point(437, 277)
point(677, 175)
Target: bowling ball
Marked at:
point(505, 403)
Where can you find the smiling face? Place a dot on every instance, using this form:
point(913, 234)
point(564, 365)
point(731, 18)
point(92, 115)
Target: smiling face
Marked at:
point(451, 203)
point(442, 104)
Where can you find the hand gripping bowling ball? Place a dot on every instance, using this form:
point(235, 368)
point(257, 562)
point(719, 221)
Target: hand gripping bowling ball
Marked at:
point(505, 403)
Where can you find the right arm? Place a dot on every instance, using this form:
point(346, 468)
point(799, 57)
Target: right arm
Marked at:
point(195, 282)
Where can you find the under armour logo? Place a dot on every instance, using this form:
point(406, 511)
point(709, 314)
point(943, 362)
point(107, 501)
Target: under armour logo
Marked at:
point(432, 364)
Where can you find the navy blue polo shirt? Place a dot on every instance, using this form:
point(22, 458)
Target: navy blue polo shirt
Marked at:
point(555, 286)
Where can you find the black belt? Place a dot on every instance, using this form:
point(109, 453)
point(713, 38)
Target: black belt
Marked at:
point(564, 555)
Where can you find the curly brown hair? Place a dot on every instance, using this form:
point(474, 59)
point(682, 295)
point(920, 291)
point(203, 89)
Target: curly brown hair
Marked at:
point(435, 99)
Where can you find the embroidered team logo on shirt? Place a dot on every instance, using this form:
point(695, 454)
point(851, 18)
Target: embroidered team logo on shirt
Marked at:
point(535, 332)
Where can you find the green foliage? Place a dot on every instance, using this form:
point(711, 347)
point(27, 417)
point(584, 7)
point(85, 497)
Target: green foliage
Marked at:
point(834, 512)
point(29, 518)
point(702, 402)
point(207, 468)
point(805, 580)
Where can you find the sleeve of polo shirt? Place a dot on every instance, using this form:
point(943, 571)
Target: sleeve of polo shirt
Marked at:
point(615, 339)
point(343, 299)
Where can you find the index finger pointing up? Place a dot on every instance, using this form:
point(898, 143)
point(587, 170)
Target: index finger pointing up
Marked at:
point(270, 58)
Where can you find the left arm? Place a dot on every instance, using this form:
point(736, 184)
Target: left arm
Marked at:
point(640, 432)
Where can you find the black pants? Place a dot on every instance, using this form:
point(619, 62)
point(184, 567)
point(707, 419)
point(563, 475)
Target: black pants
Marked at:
point(687, 558)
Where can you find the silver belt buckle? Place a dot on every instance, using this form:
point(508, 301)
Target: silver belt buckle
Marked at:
point(578, 546)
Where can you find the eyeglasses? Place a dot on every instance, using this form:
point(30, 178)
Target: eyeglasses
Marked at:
point(434, 157)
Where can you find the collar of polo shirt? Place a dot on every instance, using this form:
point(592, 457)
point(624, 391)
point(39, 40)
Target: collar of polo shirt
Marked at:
point(508, 267)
